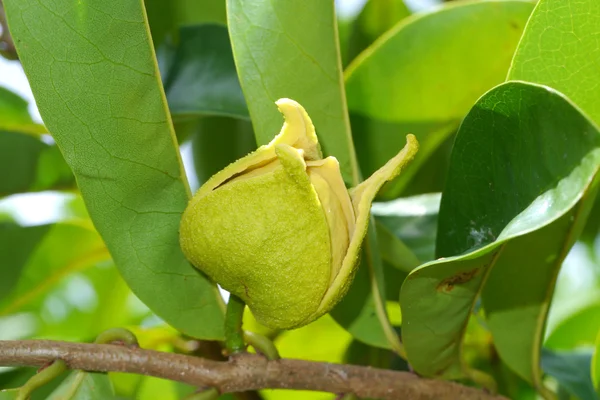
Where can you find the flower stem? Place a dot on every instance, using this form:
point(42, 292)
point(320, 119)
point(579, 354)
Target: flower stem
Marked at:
point(234, 336)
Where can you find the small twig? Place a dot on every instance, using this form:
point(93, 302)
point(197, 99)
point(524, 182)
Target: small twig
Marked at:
point(262, 344)
point(7, 46)
point(234, 336)
point(117, 336)
point(41, 378)
point(242, 373)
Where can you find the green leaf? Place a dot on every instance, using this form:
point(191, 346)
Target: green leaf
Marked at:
point(81, 385)
point(16, 245)
point(9, 394)
point(558, 48)
point(28, 164)
point(277, 56)
point(102, 100)
point(572, 371)
point(375, 19)
point(424, 75)
point(513, 211)
point(14, 114)
point(202, 79)
point(219, 141)
point(166, 17)
point(413, 220)
point(580, 329)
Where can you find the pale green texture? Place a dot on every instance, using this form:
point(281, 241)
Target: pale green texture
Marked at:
point(289, 49)
point(92, 70)
point(560, 49)
point(424, 74)
point(278, 229)
point(507, 195)
point(596, 365)
point(81, 385)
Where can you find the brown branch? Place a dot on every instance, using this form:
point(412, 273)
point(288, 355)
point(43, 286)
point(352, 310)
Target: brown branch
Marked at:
point(243, 373)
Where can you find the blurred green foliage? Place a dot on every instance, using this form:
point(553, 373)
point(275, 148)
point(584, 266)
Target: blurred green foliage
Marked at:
point(142, 101)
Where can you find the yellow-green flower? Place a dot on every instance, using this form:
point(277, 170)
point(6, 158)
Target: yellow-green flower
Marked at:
point(279, 229)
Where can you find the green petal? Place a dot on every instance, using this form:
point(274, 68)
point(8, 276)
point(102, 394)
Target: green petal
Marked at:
point(362, 197)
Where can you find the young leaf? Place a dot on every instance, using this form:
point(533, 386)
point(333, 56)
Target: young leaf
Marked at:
point(512, 211)
point(412, 81)
point(102, 101)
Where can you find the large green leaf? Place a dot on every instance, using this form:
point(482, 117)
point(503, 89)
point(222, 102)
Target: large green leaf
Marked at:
point(518, 190)
point(425, 74)
point(28, 164)
point(201, 78)
point(560, 49)
point(102, 100)
point(81, 385)
point(289, 49)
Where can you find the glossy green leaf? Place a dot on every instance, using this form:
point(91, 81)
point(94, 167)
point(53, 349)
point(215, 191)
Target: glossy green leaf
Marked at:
point(278, 56)
point(81, 385)
point(104, 105)
point(560, 49)
point(513, 211)
point(166, 17)
point(580, 329)
point(375, 19)
point(201, 78)
point(424, 75)
point(219, 141)
point(572, 372)
point(28, 164)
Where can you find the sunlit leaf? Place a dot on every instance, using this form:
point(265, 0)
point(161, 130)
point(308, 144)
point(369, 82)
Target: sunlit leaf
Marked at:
point(424, 77)
point(513, 212)
point(105, 107)
point(580, 329)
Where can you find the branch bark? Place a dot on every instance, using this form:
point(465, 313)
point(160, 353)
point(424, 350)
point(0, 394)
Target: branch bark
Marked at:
point(242, 373)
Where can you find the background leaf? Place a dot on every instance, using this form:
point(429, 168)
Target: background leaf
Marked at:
point(105, 107)
point(376, 17)
point(166, 17)
point(201, 77)
point(412, 81)
point(572, 371)
point(14, 114)
point(81, 385)
point(506, 196)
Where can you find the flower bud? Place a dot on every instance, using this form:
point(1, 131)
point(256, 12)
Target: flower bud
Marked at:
point(279, 229)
